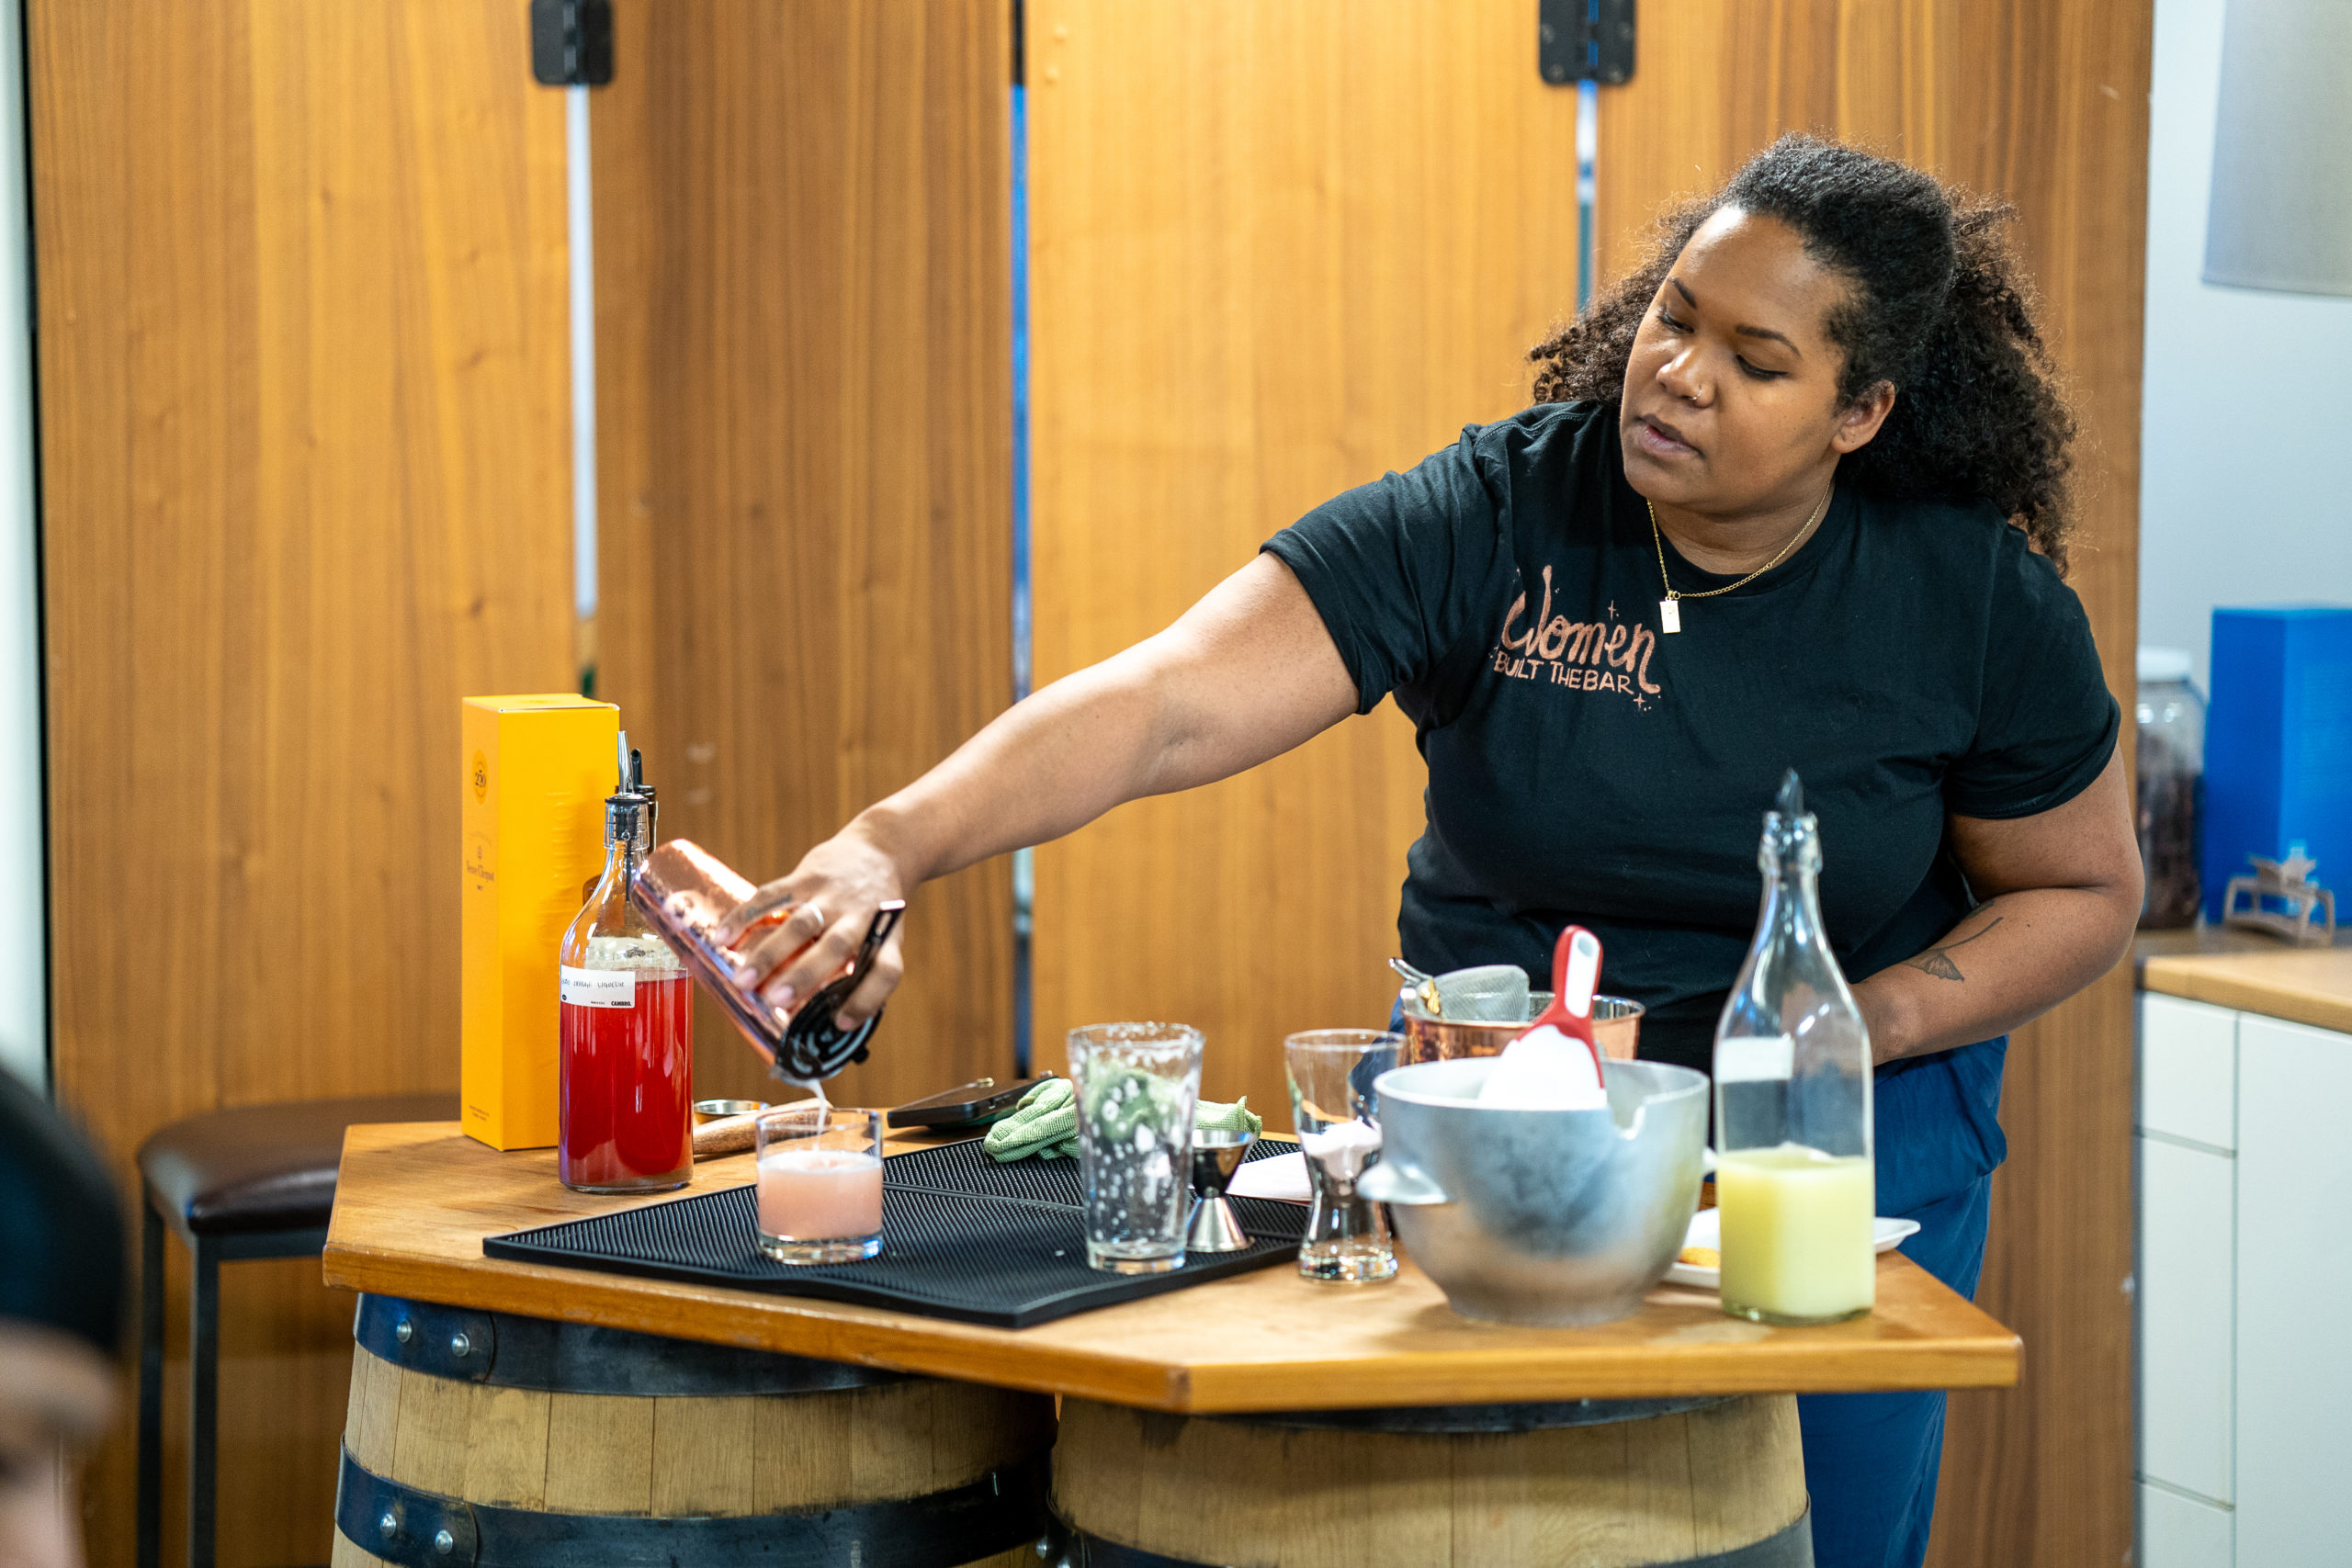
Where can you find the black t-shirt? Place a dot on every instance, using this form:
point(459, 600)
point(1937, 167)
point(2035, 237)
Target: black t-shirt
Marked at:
point(1908, 660)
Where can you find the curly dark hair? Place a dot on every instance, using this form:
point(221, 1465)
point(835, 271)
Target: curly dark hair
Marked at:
point(1941, 308)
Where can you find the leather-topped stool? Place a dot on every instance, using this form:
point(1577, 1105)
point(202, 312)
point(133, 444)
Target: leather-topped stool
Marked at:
point(254, 1182)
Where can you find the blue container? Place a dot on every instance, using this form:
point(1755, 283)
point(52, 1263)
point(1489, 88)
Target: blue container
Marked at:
point(2278, 743)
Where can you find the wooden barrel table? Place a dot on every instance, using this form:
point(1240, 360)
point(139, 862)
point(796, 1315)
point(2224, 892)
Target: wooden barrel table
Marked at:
point(481, 1440)
point(1697, 1482)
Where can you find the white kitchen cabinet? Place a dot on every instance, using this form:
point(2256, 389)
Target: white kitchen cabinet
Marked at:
point(2187, 1209)
point(2245, 1400)
point(2180, 1532)
point(2294, 1371)
point(2188, 1072)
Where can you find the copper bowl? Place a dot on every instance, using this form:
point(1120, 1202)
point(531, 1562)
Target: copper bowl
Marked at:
point(1616, 1024)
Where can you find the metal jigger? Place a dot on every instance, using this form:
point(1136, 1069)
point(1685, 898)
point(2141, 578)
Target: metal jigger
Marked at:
point(1215, 1227)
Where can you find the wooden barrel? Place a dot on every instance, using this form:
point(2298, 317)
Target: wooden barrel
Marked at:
point(486, 1441)
point(1588, 1483)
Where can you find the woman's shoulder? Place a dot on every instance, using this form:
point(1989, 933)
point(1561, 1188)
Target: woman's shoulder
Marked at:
point(1962, 542)
point(1544, 452)
point(1543, 428)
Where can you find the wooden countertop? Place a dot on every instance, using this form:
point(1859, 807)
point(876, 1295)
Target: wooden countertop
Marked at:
point(2251, 972)
point(413, 1201)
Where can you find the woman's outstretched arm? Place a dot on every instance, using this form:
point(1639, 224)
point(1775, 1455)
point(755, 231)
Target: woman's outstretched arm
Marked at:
point(1244, 675)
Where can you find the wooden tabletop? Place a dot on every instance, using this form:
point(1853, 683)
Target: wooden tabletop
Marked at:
point(413, 1201)
point(2247, 970)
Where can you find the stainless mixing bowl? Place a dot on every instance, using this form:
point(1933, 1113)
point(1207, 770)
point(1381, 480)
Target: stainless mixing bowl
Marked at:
point(1556, 1218)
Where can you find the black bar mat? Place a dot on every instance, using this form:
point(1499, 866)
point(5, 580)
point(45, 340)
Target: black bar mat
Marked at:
point(963, 1237)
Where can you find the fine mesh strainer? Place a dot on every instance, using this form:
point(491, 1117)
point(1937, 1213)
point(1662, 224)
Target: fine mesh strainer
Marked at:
point(1489, 993)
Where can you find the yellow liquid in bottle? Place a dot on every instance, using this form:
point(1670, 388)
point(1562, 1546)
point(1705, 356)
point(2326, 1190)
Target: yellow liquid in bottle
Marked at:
point(1796, 1234)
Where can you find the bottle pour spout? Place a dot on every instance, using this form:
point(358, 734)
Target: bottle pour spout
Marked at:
point(1790, 802)
point(629, 809)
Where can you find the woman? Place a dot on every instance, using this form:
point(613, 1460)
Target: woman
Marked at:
point(1794, 495)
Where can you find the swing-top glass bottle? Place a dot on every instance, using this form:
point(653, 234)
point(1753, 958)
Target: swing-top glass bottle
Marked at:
point(1794, 1179)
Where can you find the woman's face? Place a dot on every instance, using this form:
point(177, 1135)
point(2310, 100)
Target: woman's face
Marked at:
point(1731, 392)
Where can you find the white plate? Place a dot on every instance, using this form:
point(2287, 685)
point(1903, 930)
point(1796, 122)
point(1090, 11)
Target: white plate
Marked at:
point(1707, 1230)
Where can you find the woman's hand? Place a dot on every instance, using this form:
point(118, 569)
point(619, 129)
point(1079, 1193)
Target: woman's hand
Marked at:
point(832, 896)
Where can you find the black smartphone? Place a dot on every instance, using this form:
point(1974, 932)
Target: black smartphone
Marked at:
point(975, 1104)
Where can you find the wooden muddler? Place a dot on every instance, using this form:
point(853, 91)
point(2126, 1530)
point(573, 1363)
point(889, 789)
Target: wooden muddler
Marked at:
point(725, 1135)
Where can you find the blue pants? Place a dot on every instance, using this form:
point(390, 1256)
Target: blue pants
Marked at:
point(1871, 1459)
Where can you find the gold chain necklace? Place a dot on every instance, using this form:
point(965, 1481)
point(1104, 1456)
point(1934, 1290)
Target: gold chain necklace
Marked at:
point(1669, 609)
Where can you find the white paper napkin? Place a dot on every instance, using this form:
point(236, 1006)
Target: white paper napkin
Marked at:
point(1280, 1177)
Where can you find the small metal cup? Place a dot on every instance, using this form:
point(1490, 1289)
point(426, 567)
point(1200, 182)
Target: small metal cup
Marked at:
point(1215, 1227)
point(712, 1110)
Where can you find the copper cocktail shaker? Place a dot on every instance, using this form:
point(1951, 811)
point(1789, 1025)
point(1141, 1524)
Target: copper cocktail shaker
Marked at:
point(685, 891)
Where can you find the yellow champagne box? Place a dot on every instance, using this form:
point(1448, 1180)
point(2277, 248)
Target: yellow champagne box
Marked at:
point(537, 771)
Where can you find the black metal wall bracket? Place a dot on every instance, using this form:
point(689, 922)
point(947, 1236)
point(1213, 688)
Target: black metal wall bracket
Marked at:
point(1585, 40)
point(572, 42)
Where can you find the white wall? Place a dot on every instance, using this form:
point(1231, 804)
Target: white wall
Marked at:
point(2245, 465)
point(24, 900)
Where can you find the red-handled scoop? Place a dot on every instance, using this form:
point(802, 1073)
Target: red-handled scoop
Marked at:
point(1576, 975)
point(1542, 1068)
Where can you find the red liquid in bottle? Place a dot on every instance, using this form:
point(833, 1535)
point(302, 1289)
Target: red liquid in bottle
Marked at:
point(627, 1090)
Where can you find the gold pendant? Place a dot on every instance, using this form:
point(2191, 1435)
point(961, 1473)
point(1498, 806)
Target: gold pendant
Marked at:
point(1669, 616)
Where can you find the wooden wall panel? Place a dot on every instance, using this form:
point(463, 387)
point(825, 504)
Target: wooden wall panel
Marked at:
point(2043, 1478)
point(804, 366)
point(2046, 105)
point(1276, 251)
point(305, 445)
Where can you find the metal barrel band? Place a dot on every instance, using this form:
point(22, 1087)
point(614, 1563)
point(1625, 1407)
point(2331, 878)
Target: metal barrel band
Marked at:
point(1443, 1419)
point(414, 1528)
point(506, 1351)
point(1790, 1547)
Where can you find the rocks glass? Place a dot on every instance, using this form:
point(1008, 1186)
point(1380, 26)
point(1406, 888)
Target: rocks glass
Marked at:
point(820, 1183)
point(1137, 1084)
point(1337, 1118)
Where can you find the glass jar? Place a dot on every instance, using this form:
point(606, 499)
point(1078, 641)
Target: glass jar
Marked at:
point(2170, 719)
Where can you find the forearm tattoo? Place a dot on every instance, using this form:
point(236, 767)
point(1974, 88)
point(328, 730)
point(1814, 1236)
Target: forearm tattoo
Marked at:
point(1936, 961)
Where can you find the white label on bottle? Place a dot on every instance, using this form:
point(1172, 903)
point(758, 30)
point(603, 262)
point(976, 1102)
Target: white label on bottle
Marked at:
point(599, 987)
point(1751, 1058)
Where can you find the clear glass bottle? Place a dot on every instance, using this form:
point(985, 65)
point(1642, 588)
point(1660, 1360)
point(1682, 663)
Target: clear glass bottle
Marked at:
point(1793, 1179)
point(625, 1062)
point(2171, 745)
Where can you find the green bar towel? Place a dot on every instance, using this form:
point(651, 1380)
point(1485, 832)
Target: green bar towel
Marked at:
point(1045, 1122)
point(1235, 1118)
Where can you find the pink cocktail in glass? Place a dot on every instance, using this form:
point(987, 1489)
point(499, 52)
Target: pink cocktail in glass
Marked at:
point(820, 1194)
